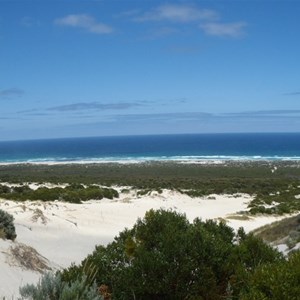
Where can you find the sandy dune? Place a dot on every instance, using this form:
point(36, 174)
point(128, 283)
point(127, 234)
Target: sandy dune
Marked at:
point(63, 233)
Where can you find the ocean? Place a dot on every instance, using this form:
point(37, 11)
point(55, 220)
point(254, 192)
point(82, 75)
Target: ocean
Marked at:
point(188, 147)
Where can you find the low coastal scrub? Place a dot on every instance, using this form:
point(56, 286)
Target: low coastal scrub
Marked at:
point(280, 201)
point(274, 192)
point(269, 196)
point(75, 193)
point(7, 227)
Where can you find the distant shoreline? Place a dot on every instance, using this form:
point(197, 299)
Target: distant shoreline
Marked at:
point(161, 148)
point(202, 160)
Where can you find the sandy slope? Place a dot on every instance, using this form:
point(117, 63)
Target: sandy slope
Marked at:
point(63, 233)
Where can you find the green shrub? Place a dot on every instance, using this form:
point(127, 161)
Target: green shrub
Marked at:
point(7, 226)
point(274, 281)
point(75, 186)
point(23, 189)
point(74, 193)
point(52, 287)
point(4, 189)
point(165, 257)
point(250, 254)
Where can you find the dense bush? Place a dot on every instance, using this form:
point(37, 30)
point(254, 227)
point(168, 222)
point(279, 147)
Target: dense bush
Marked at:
point(75, 193)
point(7, 226)
point(274, 281)
point(249, 254)
point(165, 257)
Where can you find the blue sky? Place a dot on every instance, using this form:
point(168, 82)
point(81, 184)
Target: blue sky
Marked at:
point(97, 68)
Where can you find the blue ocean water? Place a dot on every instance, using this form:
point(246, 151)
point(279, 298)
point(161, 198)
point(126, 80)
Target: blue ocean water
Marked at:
point(263, 146)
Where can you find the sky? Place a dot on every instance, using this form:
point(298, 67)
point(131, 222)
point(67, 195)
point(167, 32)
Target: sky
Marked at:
point(71, 68)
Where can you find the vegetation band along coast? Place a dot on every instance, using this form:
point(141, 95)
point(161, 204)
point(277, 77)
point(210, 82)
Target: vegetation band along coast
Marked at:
point(274, 185)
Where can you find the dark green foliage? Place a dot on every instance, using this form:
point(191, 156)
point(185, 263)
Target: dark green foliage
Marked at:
point(165, 257)
point(23, 189)
point(277, 281)
point(74, 193)
point(7, 225)
point(253, 252)
point(250, 254)
point(4, 189)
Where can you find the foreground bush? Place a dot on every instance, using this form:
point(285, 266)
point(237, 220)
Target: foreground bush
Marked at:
point(53, 288)
point(7, 227)
point(165, 257)
point(275, 281)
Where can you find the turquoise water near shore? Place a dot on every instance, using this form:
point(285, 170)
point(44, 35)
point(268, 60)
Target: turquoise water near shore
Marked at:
point(189, 147)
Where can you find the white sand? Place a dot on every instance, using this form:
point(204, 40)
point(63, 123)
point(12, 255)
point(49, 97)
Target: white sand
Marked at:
point(65, 233)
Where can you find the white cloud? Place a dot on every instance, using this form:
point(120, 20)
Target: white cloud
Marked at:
point(207, 19)
point(84, 21)
point(235, 29)
point(178, 13)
